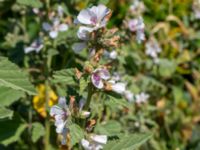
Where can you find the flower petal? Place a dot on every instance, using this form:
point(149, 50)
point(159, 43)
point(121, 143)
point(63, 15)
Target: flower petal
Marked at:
point(119, 88)
point(55, 110)
point(53, 34)
point(62, 102)
point(46, 26)
point(104, 74)
point(84, 32)
point(85, 16)
point(102, 139)
point(85, 143)
point(78, 47)
point(97, 81)
point(63, 27)
point(29, 49)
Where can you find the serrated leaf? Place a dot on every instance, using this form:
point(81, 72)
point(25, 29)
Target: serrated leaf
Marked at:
point(37, 131)
point(11, 76)
point(76, 134)
point(128, 143)
point(31, 3)
point(111, 128)
point(65, 76)
point(8, 96)
point(11, 130)
point(5, 113)
point(113, 102)
point(82, 84)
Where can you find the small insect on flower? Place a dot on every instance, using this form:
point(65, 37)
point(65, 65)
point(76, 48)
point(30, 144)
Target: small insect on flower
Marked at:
point(60, 112)
point(35, 46)
point(141, 98)
point(99, 76)
point(39, 102)
point(95, 142)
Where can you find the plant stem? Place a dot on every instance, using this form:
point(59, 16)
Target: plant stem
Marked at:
point(89, 97)
point(47, 125)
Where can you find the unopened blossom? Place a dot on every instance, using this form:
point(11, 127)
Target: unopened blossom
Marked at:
point(137, 25)
point(153, 49)
point(99, 76)
point(60, 112)
point(95, 17)
point(35, 46)
point(95, 142)
point(196, 8)
point(141, 98)
point(110, 55)
point(55, 27)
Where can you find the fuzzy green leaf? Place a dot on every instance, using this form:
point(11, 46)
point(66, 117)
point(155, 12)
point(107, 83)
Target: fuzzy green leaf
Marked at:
point(65, 76)
point(76, 134)
point(31, 3)
point(128, 143)
point(8, 96)
point(11, 76)
point(112, 127)
point(38, 131)
point(5, 113)
point(11, 130)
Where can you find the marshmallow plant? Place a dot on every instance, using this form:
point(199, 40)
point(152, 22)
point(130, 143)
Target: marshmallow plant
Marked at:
point(77, 123)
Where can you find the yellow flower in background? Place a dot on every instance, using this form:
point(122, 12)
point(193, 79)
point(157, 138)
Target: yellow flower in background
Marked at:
point(39, 102)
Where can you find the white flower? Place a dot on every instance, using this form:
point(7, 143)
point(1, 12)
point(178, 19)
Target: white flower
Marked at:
point(119, 87)
point(141, 98)
point(35, 46)
point(137, 25)
point(98, 76)
point(55, 28)
point(95, 17)
point(152, 48)
point(60, 112)
point(96, 142)
point(128, 95)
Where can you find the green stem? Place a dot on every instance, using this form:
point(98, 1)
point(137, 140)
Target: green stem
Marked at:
point(47, 125)
point(89, 97)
